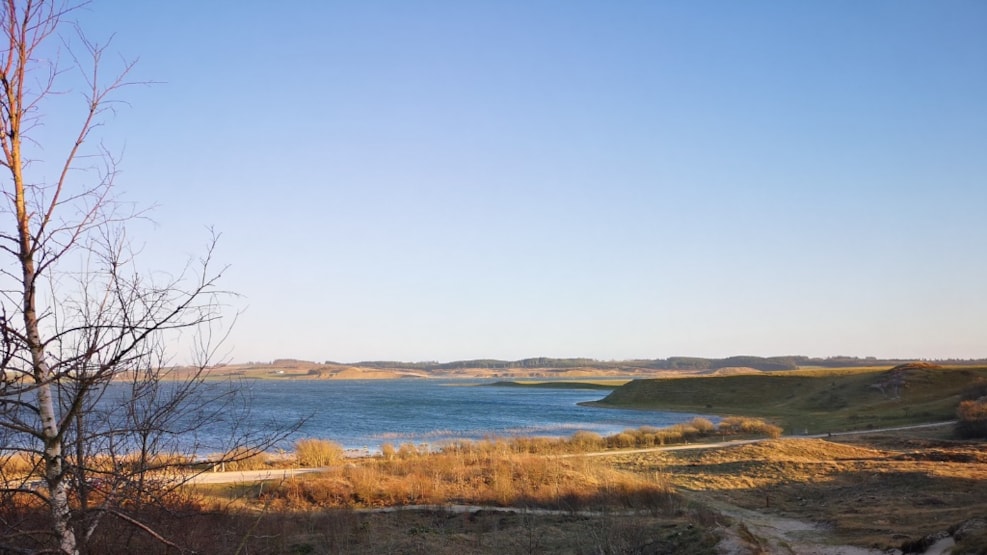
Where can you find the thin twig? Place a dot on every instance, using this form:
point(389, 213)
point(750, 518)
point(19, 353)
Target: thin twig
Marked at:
point(147, 529)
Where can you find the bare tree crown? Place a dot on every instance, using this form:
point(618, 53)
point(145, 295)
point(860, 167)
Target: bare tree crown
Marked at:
point(87, 388)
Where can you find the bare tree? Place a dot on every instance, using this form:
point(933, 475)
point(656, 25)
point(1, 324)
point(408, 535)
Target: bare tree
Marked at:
point(90, 402)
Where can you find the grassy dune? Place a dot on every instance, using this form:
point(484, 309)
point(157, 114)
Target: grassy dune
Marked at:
point(812, 401)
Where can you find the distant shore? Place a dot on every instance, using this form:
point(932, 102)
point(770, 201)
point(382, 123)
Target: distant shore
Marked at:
point(321, 372)
point(575, 369)
point(302, 370)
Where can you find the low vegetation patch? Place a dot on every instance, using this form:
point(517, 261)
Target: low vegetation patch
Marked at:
point(884, 491)
point(972, 419)
point(317, 452)
point(444, 478)
point(815, 401)
point(972, 411)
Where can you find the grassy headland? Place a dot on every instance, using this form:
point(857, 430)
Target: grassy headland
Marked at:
point(813, 401)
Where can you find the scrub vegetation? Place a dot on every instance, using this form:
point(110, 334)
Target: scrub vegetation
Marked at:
point(672, 490)
point(818, 401)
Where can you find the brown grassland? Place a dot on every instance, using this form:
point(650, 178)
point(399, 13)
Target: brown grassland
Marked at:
point(882, 490)
point(642, 491)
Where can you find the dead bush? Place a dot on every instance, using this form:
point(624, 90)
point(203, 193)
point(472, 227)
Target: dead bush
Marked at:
point(586, 441)
point(972, 419)
point(739, 425)
point(318, 452)
point(702, 425)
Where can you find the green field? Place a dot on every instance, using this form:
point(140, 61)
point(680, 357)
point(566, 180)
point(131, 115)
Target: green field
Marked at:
point(813, 401)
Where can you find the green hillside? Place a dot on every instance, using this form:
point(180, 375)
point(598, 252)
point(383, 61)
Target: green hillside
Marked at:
point(813, 401)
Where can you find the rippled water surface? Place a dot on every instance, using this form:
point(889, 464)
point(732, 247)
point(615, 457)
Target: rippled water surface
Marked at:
point(364, 414)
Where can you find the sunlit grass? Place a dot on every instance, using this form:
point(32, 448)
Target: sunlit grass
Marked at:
point(814, 400)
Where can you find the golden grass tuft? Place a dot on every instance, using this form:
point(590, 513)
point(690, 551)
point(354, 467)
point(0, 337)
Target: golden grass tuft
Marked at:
point(317, 452)
point(19, 464)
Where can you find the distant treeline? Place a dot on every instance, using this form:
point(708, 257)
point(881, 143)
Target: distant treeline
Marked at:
point(672, 363)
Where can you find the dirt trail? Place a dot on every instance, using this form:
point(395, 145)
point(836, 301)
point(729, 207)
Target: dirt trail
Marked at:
point(749, 533)
point(756, 533)
point(738, 442)
point(242, 476)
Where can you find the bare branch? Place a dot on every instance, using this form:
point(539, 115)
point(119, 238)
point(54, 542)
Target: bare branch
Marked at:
point(147, 529)
point(85, 385)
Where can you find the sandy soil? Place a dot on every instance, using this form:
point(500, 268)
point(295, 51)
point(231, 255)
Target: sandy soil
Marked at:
point(753, 533)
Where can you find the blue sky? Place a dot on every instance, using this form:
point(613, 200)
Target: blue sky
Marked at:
point(448, 180)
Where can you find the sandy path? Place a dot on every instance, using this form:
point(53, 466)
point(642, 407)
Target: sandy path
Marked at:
point(754, 533)
point(250, 475)
point(736, 442)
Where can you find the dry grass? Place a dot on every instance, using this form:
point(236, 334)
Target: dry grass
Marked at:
point(474, 478)
point(317, 452)
point(628, 512)
point(814, 401)
point(18, 464)
point(440, 532)
point(885, 491)
point(875, 492)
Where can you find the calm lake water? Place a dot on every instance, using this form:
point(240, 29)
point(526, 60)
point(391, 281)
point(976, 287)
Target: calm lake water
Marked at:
point(363, 414)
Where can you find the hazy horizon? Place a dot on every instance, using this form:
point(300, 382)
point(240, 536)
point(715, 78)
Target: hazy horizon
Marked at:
point(470, 359)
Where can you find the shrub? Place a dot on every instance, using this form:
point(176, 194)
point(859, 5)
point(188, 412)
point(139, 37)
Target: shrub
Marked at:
point(972, 410)
point(586, 441)
point(687, 430)
point(407, 451)
point(317, 452)
point(535, 445)
point(972, 419)
point(733, 425)
point(702, 425)
point(623, 439)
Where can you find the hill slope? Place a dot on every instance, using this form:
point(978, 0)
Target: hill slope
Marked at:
point(813, 401)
